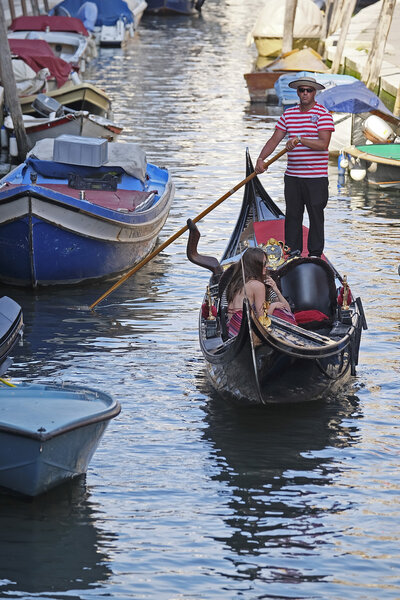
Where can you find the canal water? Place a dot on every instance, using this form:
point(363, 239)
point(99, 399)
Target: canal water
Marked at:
point(186, 497)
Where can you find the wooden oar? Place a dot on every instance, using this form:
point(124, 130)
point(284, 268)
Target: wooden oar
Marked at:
point(169, 241)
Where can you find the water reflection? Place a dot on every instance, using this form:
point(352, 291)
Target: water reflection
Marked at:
point(280, 467)
point(52, 544)
point(60, 328)
point(382, 203)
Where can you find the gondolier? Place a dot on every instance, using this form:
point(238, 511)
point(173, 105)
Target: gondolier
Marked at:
point(309, 126)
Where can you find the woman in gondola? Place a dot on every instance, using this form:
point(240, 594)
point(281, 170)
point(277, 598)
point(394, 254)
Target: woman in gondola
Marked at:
point(258, 288)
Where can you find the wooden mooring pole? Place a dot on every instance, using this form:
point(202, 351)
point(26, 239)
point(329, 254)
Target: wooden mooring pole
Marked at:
point(10, 89)
point(370, 74)
point(347, 12)
point(288, 27)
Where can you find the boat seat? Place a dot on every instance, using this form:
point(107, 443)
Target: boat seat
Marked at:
point(309, 285)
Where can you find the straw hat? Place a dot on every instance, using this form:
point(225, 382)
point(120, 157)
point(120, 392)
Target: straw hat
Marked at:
point(308, 82)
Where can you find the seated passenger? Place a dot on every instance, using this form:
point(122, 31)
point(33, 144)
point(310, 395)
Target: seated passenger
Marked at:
point(258, 288)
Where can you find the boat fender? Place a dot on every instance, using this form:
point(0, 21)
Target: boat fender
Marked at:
point(4, 137)
point(343, 163)
point(13, 147)
point(357, 172)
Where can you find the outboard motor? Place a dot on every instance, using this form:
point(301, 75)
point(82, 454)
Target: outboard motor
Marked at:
point(45, 105)
point(377, 130)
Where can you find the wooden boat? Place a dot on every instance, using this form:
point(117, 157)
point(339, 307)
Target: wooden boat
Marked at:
point(182, 7)
point(379, 164)
point(67, 37)
point(58, 120)
point(11, 327)
point(48, 434)
point(82, 96)
point(70, 213)
point(76, 123)
point(260, 82)
point(277, 362)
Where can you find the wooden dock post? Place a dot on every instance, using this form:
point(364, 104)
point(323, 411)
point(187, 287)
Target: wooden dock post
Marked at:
point(370, 74)
point(325, 31)
point(35, 8)
point(337, 12)
point(347, 12)
point(288, 27)
point(10, 89)
point(396, 109)
point(12, 9)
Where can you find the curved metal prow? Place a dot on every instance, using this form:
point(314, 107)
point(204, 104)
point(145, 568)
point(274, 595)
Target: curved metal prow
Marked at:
point(207, 262)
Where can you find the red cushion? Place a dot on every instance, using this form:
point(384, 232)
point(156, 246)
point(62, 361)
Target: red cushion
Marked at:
point(285, 315)
point(308, 316)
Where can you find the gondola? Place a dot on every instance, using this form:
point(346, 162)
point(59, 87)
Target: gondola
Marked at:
point(274, 361)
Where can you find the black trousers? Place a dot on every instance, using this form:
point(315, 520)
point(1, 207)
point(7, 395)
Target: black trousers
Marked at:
point(312, 193)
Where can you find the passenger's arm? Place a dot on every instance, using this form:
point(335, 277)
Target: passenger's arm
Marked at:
point(272, 283)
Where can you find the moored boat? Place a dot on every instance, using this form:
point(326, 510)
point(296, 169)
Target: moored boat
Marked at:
point(260, 82)
point(274, 361)
point(11, 327)
point(80, 209)
point(48, 434)
point(267, 32)
point(359, 116)
point(38, 55)
point(58, 120)
point(67, 36)
point(81, 96)
point(110, 22)
point(378, 164)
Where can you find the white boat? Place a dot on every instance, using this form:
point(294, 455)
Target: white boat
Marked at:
point(267, 32)
point(80, 123)
point(67, 37)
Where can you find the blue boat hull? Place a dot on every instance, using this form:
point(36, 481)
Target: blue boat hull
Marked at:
point(50, 238)
point(49, 434)
point(31, 467)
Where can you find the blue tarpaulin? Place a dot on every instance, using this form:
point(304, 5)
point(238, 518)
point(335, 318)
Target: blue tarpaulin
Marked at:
point(108, 12)
point(352, 98)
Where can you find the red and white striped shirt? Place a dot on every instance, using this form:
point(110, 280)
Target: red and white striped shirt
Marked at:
point(302, 161)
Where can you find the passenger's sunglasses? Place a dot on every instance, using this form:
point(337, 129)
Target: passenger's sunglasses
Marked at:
point(308, 90)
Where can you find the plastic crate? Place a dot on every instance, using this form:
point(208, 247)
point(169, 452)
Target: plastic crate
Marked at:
point(76, 150)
